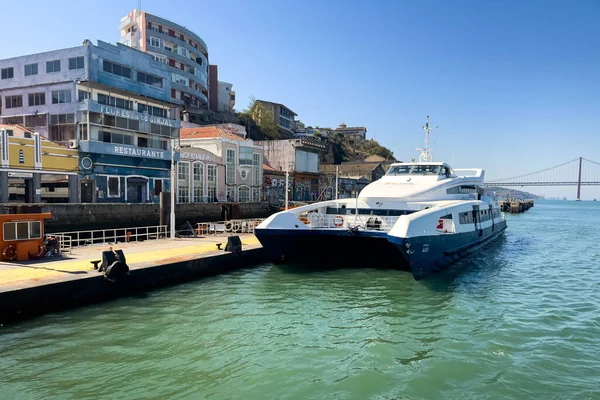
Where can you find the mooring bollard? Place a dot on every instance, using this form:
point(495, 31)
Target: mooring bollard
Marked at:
point(234, 244)
point(114, 265)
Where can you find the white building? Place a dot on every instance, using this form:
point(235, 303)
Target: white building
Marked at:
point(226, 97)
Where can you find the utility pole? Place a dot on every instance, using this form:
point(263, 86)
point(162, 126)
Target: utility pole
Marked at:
point(336, 182)
point(287, 174)
point(173, 168)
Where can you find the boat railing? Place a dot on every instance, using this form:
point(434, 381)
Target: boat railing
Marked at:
point(231, 226)
point(469, 172)
point(349, 221)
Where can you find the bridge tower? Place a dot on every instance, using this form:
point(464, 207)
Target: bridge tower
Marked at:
point(579, 181)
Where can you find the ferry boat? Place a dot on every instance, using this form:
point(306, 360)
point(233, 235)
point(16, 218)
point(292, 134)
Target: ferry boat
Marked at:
point(421, 215)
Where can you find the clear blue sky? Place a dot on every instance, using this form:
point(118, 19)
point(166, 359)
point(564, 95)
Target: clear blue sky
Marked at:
point(513, 85)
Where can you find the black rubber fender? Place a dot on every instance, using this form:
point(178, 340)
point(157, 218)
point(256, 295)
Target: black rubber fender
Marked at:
point(117, 272)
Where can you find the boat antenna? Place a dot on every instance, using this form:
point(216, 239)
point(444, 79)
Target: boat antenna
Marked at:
point(425, 155)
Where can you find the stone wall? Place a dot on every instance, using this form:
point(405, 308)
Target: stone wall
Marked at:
point(92, 216)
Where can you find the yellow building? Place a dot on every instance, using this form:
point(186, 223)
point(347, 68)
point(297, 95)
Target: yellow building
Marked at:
point(34, 169)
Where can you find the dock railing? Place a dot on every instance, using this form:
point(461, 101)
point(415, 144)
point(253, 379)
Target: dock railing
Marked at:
point(105, 236)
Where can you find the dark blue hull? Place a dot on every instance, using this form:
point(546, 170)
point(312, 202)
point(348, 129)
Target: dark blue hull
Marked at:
point(422, 255)
point(330, 247)
point(428, 254)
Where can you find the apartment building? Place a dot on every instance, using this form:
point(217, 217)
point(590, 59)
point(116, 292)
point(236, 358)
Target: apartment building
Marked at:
point(181, 50)
point(110, 102)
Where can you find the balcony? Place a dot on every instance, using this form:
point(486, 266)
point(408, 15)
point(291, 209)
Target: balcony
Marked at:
point(126, 22)
point(175, 40)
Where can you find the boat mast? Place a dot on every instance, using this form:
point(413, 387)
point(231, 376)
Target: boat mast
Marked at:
point(425, 155)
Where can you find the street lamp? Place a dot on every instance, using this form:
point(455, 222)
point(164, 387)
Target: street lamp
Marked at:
point(174, 148)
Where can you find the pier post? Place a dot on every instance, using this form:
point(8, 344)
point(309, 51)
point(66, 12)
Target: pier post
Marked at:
point(579, 181)
point(37, 187)
point(73, 188)
point(4, 187)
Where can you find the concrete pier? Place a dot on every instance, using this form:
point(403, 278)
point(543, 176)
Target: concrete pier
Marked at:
point(515, 206)
point(55, 283)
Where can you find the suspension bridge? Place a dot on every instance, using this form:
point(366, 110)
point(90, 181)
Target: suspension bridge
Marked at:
point(577, 172)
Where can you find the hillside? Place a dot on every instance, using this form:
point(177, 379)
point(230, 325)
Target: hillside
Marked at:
point(340, 150)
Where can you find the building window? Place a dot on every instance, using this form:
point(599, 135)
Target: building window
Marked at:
point(62, 127)
point(116, 69)
point(31, 69)
point(211, 183)
point(182, 51)
point(198, 182)
point(183, 182)
point(245, 155)
point(158, 184)
point(182, 80)
point(61, 96)
point(13, 101)
point(113, 186)
point(149, 79)
point(53, 66)
point(156, 111)
point(230, 167)
point(76, 63)
point(115, 102)
point(244, 194)
point(256, 177)
point(22, 230)
point(116, 137)
point(37, 99)
point(82, 95)
point(155, 42)
point(35, 120)
point(8, 73)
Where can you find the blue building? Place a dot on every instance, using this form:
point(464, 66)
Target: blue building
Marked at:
point(112, 102)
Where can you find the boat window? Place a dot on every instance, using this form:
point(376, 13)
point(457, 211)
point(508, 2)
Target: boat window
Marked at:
point(445, 172)
point(22, 230)
point(413, 170)
point(465, 218)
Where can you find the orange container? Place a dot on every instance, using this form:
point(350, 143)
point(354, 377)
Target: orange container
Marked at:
point(22, 236)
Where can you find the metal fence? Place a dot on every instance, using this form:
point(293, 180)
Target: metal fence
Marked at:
point(68, 240)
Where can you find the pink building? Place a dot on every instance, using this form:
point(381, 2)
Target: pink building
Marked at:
point(216, 165)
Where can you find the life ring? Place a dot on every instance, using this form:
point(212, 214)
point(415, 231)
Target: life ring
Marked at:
point(338, 220)
point(228, 226)
point(9, 253)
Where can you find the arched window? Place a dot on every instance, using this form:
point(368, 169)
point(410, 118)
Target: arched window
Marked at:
point(244, 194)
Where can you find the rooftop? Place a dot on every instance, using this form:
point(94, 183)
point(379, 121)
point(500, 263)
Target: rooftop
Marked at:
point(343, 126)
point(207, 132)
point(279, 104)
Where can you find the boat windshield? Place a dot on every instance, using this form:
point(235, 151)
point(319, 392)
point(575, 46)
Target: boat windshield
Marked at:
point(412, 169)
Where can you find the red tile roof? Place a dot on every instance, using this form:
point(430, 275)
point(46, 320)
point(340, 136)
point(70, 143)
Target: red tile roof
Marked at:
point(207, 132)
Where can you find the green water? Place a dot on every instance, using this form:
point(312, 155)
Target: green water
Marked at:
point(520, 320)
